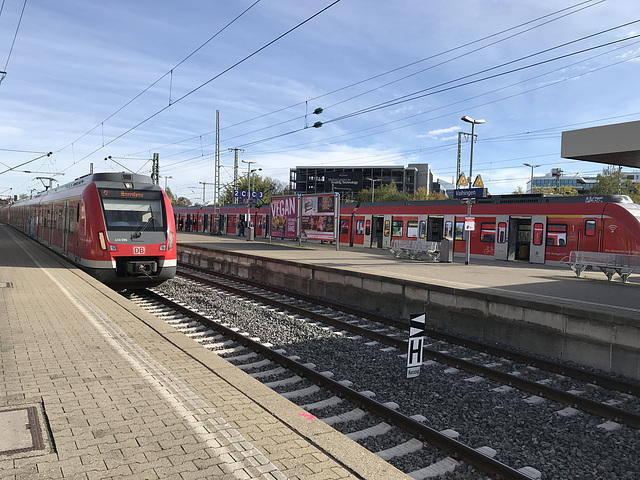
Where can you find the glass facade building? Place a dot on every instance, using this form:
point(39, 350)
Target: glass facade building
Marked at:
point(348, 181)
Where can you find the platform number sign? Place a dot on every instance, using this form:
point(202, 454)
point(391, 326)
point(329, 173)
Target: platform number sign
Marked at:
point(415, 345)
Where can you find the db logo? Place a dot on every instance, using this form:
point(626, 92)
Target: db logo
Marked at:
point(138, 250)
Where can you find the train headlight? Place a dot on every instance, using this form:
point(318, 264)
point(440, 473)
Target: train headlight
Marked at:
point(113, 248)
point(103, 243)
point(170, 239)
point(163, 248)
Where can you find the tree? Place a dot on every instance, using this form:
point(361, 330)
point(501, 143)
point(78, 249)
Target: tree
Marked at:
point(548, 189)
point(518, 191)
point(170, 195)
point(436, 196)
point(421, 194)
point(568, 191)
point(268, 186)
point(384, 193)
point(610, 182)
point(183, 202)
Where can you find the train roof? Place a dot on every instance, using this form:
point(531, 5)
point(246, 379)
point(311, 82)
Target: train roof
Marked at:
point(107, 180)
point(490, 200)
point(513, 199)
point(102, 180)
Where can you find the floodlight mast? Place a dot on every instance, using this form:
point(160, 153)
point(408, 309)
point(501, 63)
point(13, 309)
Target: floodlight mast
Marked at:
point(470, 181)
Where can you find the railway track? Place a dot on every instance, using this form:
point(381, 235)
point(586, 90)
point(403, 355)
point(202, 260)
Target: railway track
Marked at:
point(614, 398)
point(390, 341)
point(412, 430)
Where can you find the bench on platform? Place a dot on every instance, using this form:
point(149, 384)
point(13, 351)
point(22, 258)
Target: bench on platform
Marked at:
point(608, 263)
point(416, 249)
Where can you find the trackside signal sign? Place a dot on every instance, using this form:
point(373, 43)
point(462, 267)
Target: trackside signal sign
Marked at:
point(415, 345)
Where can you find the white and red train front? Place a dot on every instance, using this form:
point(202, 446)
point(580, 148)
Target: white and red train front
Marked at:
point(118, 227)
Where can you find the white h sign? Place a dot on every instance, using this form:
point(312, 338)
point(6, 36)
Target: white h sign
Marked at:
point(416, 343)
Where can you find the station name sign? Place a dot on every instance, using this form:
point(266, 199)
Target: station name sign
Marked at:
point(463, 193)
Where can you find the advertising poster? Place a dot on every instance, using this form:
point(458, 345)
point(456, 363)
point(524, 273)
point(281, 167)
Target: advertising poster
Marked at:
point(318, 217)
point(284, 217)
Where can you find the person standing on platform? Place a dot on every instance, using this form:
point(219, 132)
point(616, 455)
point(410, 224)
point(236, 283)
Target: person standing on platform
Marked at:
point(241, 228)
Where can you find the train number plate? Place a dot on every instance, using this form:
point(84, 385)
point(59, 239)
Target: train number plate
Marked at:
point(138, 250)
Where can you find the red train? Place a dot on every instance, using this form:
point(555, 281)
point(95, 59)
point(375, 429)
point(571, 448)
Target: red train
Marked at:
point(118, 227)
point(533, 228)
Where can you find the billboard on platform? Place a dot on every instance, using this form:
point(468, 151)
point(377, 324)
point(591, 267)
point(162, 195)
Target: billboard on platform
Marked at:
point(284, 217)
point(317, 220)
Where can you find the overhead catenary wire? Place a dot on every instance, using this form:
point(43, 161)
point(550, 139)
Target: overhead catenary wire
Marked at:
point(416, 95)
point(565, 11)
point(3, 73)
point(158, 112)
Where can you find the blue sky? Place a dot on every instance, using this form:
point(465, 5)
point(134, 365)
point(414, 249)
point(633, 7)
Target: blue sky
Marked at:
point(121, 79)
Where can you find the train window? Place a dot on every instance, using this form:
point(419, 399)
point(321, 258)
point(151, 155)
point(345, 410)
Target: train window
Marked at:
point(396, 228)
point(488, 232)
point(557, 235)
point(412, 229)
point(590, 228)
point(134, 212)
point(72, 220)
point(422, 230)
point(387, 228)
point(344, 226)
point(538, 232)
point(459, 231)
point(359, 227)
point(502, 232)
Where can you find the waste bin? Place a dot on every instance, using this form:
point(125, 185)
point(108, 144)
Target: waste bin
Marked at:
point(446, 250)
point(250, 234)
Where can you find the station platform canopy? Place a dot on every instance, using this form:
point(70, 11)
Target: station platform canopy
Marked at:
point(617, 144)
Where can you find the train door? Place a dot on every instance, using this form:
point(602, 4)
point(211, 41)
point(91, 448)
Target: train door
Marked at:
point(65, 228)
point(501, 247)
point(364, 226)
point(422, 227)
point(41, 223)
point(374, 224)
point(538, 244)
point(386, 231)
point(449, 222)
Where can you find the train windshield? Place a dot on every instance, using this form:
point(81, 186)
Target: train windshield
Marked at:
point(136, 211)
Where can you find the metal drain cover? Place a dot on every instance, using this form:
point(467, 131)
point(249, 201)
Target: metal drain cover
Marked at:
point(21, 431)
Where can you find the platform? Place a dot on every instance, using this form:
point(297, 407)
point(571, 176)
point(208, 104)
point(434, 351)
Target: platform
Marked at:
point(547, 285)
point(92, 386)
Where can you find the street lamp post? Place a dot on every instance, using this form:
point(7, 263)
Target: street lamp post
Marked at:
point(532, 167)
point(473, 124)
point(373, 185)
point(249, 226)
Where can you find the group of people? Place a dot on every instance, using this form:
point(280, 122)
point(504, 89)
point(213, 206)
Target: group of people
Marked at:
point(182, 224)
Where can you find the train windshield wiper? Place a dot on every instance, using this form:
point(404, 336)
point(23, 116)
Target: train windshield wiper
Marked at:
point(138, 232)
